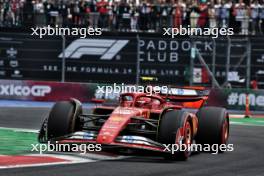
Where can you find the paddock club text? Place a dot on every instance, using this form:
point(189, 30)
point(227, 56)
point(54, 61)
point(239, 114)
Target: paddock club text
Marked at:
point(160, 51)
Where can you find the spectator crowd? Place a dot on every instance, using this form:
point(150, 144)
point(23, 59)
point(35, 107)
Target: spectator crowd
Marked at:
point(137, 15)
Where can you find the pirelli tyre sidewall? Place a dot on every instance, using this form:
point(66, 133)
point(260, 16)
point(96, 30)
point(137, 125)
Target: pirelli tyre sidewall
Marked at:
point(63, 119)
point(169, 124)
point(213, 126)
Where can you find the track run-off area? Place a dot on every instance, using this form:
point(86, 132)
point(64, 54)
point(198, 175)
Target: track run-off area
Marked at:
point(19, 124)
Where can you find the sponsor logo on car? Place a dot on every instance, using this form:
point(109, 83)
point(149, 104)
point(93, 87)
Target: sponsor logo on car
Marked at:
point(129, 139)
point(116, 119)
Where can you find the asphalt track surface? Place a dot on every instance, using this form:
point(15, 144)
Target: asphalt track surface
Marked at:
point(247, 159)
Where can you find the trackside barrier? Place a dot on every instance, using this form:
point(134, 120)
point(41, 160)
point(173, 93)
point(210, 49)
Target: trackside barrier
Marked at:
point(237, 99)
point(125, 57)
point(45, 91)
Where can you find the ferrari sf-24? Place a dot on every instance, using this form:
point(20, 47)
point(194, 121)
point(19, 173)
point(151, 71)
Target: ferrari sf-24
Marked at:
point(140, 122)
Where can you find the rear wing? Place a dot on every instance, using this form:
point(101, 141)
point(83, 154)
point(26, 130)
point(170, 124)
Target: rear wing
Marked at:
point(188, 97)
point(195, 97)
point(184, 94)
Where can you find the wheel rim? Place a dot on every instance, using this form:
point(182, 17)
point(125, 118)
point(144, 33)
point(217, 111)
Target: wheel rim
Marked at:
point(188, 138)
point(188, 134)
point(225, 132)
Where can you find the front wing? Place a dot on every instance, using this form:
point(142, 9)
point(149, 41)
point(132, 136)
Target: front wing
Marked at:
point(126, 141)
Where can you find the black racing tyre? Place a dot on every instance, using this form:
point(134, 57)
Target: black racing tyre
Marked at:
point(62, 119)
point(169, 124)
point(213, 126)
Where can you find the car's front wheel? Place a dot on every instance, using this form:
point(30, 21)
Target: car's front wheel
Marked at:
point(175, 128)
point(63, 119)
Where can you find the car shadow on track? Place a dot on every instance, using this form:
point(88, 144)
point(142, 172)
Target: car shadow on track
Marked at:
point(151, 159)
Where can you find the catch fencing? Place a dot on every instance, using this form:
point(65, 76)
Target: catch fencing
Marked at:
point(134, 58)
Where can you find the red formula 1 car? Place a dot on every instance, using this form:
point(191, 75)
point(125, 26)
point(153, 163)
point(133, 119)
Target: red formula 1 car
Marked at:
point(140, 122)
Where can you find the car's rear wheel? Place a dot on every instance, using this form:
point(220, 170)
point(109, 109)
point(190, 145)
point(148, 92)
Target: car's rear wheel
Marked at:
point(63, 119)
point(173, 125)
point(213, 126)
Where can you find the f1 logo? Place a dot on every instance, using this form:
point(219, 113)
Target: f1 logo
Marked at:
point(105, 48)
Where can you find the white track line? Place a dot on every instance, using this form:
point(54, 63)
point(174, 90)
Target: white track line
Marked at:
point(64, 157)
point(20, 130)
point(69, 160)
point(86, 156)
point(245, 124)
point(236, 115)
